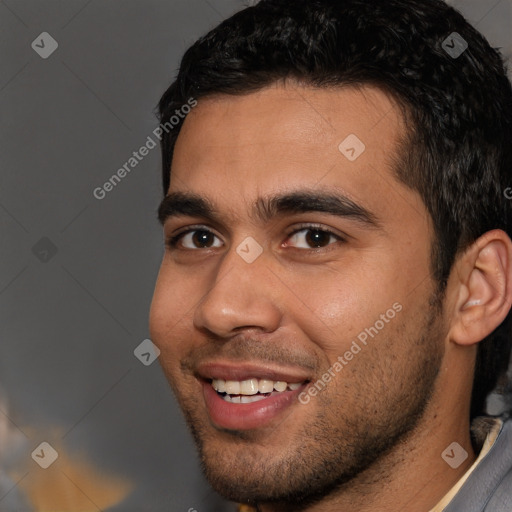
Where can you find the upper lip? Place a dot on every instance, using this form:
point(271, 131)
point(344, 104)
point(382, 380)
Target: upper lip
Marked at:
point(238, 371)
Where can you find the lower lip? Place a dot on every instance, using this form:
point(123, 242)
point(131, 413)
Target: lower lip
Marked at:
point(254, 415)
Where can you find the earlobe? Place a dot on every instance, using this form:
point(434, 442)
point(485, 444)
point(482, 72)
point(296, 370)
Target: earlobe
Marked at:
point(485, 289)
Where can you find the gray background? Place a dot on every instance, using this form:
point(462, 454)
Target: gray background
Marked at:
point(69, 321)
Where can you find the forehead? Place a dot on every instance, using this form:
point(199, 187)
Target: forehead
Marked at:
point(289, 137)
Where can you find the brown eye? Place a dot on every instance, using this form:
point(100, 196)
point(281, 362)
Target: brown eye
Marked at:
point(194, 239)
point(318, 238)
point(202, 238)
point(312, 238)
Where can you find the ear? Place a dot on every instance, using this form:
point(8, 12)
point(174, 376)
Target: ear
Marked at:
point(483, 288)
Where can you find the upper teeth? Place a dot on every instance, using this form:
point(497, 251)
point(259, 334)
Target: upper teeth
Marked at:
point(252, 386)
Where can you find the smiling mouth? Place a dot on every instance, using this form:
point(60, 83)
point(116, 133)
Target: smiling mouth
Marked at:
point(251, 390)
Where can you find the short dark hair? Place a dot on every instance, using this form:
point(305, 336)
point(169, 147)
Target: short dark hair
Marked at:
point(457, 153)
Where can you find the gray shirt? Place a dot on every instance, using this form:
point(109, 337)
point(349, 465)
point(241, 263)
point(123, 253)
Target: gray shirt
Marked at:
point(489, 486)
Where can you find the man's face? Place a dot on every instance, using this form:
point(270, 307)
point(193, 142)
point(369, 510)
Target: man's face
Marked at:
point(270, 297)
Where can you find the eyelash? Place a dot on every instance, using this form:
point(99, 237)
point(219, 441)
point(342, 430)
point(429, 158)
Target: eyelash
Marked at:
point(172, 241)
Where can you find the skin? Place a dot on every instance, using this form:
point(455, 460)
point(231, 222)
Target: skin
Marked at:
point(373, 438)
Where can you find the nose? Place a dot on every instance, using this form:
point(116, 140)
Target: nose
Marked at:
point(242, 295)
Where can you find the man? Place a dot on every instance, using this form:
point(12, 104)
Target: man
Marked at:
point(332, 308)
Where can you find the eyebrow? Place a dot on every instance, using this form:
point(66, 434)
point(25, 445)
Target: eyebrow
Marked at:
point(178, 204)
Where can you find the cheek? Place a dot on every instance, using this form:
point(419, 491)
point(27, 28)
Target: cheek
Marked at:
point(343, 304)
point(173, 301)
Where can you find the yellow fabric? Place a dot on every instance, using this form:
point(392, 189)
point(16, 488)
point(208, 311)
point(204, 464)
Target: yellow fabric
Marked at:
point(489, 441)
